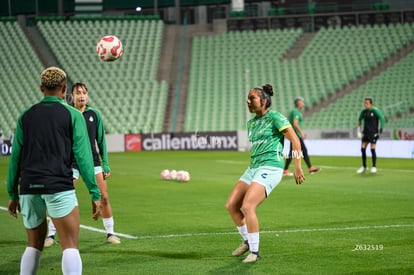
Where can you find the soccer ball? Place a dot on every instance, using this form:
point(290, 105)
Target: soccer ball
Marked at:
point(165, 174)
point(109, 48)
point(173, 174)
point(183, 176)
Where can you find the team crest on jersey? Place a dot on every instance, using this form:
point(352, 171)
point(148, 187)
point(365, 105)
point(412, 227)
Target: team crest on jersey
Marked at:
point(91, 119)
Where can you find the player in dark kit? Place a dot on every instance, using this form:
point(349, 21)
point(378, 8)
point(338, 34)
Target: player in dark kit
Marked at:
point(374, 122)
point(96, 133)
point(48, 135)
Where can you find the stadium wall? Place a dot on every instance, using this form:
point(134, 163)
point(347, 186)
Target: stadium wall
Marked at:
point(394, 143)
point(352, 148)
point(399, 145)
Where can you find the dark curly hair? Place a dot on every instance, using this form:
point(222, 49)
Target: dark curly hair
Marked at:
point(266, 92)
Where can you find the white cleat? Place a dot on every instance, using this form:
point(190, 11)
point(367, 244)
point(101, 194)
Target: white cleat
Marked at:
point(113, 239)
point(49, 242)
point(243, 248)
point(252, 258)
point(361, 170)
point(373, 170)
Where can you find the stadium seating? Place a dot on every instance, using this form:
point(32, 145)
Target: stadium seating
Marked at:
point(406, 121)
point(392, 92)
point(19, 75)
point(125, 91)
point(224, 67)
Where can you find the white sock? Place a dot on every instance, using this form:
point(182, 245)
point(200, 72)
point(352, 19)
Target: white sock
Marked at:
point(30, 261)
point(108, 223)
point(243, 231)
point(52, 228)
point(71, 262)
point(254, 240)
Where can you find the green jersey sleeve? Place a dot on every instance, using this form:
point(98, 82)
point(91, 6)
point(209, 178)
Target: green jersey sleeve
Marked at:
point(13, 173)
point(361, 116)
point(380, 116)
point(101, 141)
point(83, 153)
point(280, 122)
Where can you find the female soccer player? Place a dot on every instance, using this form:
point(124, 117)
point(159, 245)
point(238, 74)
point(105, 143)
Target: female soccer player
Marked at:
point(266, 132)
point(102, 171)
point(48, 135)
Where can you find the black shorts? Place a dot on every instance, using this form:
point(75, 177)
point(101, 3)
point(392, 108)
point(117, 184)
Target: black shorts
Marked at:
point(370, 138)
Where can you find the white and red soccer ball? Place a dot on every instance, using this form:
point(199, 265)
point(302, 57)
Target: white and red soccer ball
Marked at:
point(109, 48)
point(183, 175)
point(180, 175)
point(165, 174)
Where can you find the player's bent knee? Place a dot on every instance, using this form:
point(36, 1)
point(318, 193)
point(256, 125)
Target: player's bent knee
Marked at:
point(247, 209)
point(229, 206)
point(232, 207)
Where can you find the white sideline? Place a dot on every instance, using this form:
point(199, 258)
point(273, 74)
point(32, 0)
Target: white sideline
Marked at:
point(92, 228)
point(281, 231)
point(310, 230)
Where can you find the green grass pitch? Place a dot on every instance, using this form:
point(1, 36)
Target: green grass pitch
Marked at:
point(337, 222)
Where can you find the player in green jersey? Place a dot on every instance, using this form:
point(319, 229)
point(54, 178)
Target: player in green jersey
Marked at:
point(374, 122)
point(296, 118)
point(95, 126)
point(266, 132)
point(48, 135)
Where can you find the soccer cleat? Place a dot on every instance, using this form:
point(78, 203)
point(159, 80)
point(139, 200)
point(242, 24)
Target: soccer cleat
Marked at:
point(287, 173)
point(314, 170)
point(50, 240)
point(113, 239)
point(253, 257)
point(361, 170)
point(373, 170)
point(243, 248)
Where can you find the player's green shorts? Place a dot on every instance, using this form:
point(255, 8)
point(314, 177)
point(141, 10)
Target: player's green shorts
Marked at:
point(34, 206)
point(268, 176)
point(75, 172)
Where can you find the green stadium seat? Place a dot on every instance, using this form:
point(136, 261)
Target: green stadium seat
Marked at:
point(131, 77)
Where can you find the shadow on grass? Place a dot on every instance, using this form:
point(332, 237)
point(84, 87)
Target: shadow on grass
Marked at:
point(10, 267)
point(236, 268)
point(126, 252)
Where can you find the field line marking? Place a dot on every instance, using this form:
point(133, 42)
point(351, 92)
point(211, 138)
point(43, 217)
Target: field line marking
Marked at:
point(281, 231)
point(127, 236)
point(90, 228)
point(355, 168)
point(299, 230)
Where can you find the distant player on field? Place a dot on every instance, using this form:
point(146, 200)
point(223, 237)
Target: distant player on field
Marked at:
point(374, 122)
point(94, 124)
point(296, 118)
